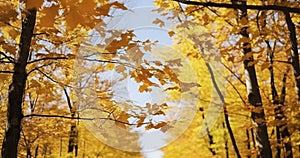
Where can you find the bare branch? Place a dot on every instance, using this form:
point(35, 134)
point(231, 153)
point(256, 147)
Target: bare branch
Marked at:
point(69, 102)
point(236, 90)
point(79, 118)
point(234, 74)
point(9, 72)
point(11, 59)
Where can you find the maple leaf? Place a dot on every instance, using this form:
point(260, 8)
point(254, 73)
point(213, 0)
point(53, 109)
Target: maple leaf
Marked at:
point(119, 5)
point(160, 112)
point(175, 62)
point(147, 48)
point(109, 66)
point(141, 121)
point(34, 4)
point(144, 88)
point(171, 33)
point(50, 13)
point(73, 18)
point(157, 126)
point(159, 22)
point(122, 120)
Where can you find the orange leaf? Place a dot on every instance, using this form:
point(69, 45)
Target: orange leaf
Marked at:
point(171, 33)
point(48, 19)
point(159, 22)
point(119, 5)
point(122, 120)
point(159, 125)
point(159, 113)
point(34, 4)
point(73, 18)
point(143, 88)
point(109, 66)
point(265, 65)
point(141, 121)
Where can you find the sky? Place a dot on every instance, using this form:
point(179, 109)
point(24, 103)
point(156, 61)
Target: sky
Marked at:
point(140, 18)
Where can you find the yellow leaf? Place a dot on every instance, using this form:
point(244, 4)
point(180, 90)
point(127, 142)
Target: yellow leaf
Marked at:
point(109, 66)
point(145, 88)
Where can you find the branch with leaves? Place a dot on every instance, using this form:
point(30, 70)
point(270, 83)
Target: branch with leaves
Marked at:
point(241, 6)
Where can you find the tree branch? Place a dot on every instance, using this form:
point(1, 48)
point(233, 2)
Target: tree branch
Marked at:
point(11, 59)
point(50, 78)
point(36, 68)
point(48, 58)
point(79, 118)
point(8, 72)
point(241, 6)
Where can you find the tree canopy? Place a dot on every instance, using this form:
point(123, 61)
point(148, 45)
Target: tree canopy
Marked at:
point(88, 79)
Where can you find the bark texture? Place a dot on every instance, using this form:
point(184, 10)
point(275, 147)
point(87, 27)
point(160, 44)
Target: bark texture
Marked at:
point(16, 89)
point(254, 97)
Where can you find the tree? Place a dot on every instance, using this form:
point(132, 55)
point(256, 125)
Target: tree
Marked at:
point(14, 109)
point(30, 71)
point(55, 55)
point(55, 36)
point(234, 26)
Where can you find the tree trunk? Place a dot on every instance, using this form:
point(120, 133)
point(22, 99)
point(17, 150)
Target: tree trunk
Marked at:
point(73, 140)
point(16, 89)
point(36, 151)
point(294, 53)
point(283, 129)
point(296, 68)
point(248, 143)
point(73, 137)
point(258, 117)
point(225, 141)
point(278, 101)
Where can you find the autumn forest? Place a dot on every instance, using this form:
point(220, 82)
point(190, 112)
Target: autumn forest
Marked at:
point(150, 78)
